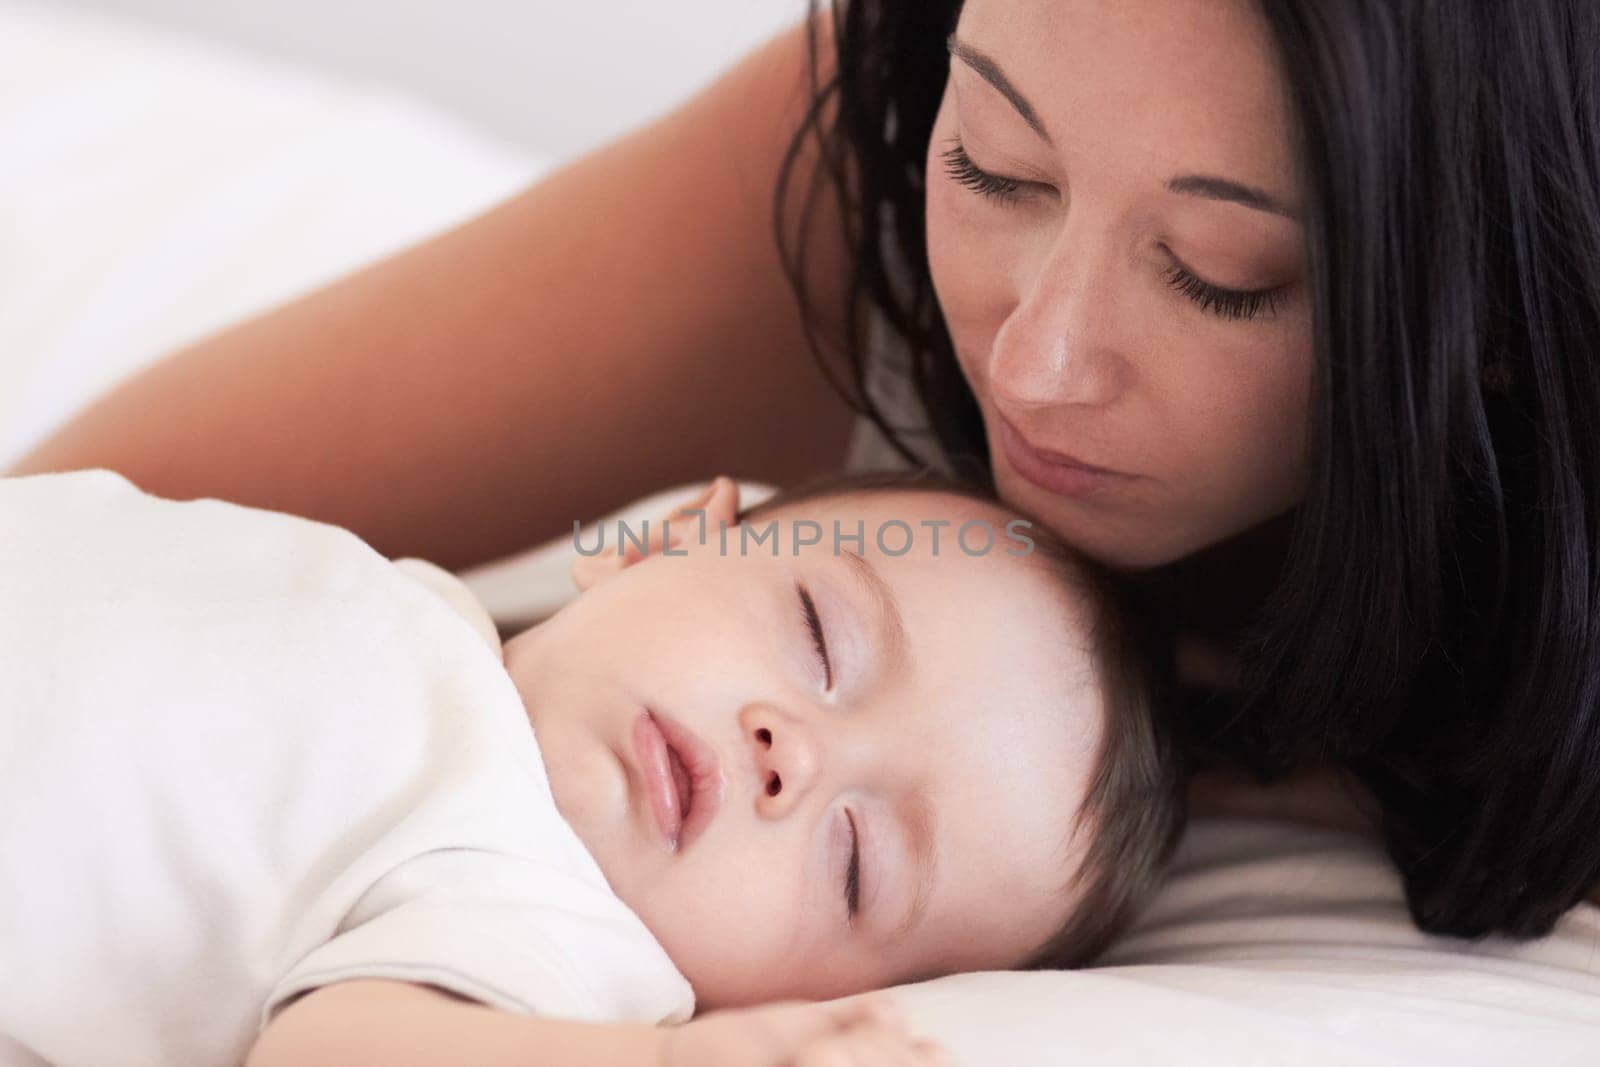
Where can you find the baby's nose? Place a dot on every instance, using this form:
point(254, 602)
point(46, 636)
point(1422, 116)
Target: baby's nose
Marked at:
point(787, 758)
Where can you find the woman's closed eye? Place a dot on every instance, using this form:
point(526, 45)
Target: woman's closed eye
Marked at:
point(1235, 304)
point(960, 166)
point(1219, 300)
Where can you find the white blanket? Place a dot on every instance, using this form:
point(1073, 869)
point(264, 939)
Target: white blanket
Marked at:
point(243, 756)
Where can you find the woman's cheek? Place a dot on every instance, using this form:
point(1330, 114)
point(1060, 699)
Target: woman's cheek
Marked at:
point(1237, 414)
point(1265, 387)
point(966, 262)
point(942, 244)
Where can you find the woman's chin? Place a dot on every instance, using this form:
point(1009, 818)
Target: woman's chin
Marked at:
point(1086, 526)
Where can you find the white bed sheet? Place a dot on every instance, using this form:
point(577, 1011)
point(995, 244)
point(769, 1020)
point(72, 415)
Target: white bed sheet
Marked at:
point(1277, 944)
point(157, 188)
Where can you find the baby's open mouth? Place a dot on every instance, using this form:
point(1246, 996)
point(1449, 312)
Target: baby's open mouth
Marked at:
point(682, 776)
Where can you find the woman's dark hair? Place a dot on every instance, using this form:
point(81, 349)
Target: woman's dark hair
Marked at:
point(1435, 625)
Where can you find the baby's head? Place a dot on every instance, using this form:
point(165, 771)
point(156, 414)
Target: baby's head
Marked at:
point(925, 749)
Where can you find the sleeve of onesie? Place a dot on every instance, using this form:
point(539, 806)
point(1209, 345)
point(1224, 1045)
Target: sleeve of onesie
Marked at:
point(506, 931)
point(454, 592)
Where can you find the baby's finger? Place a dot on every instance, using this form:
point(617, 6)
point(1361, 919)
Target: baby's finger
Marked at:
point(863, 1045)
point(894, 1048)
point(878, 1008)
point(797, 1024)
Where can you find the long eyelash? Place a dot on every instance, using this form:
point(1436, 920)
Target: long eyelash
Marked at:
point(1228, 303)
point(959, 166)
point(852, 877)
point(814, 623)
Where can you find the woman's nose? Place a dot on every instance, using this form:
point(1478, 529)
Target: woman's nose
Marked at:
point(787, 758)
point(1059, 346)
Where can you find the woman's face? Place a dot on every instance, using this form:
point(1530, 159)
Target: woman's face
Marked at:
point(1114, 237)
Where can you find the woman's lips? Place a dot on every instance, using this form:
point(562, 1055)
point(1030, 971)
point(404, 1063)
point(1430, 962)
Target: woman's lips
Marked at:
point(682, 777)
point(1054, 472)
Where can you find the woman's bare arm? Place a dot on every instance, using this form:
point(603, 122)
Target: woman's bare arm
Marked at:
point(620, 326)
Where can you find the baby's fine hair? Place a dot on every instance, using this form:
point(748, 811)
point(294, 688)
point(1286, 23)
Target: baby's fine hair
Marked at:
point(1134, 809)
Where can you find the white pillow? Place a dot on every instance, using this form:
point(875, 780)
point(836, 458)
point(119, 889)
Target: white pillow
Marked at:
point(1276, 944)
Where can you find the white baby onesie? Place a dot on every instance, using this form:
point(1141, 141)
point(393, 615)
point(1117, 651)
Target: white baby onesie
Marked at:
point(242, 755)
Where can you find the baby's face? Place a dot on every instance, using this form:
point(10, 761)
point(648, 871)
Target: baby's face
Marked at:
point(813, 775)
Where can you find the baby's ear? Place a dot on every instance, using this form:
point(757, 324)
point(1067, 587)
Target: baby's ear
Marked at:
point(717, 503)
point(721, 505)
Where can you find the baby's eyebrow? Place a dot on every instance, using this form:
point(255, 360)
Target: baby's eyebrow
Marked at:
point(919, 818)
point(891, 625)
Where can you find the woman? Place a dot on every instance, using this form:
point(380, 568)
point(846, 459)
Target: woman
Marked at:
point(1288, 309)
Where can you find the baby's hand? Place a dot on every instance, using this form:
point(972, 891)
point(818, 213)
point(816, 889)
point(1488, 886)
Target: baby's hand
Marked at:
point(858, 1032)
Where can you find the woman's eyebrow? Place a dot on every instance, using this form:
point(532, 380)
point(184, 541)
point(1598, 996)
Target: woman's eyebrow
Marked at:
point(1236, 192)
point(990, 72)
point(1189, 184)
point(890, 624)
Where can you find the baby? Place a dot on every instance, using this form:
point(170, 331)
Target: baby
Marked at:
point(263, 794)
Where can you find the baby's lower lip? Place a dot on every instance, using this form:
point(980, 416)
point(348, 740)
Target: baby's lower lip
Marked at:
point(655, 768)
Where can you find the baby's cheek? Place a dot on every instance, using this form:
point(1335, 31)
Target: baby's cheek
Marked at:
point(729, 939)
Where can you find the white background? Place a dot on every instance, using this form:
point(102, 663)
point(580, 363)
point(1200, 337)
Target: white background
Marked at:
point(172, 166)
point(553, 76)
